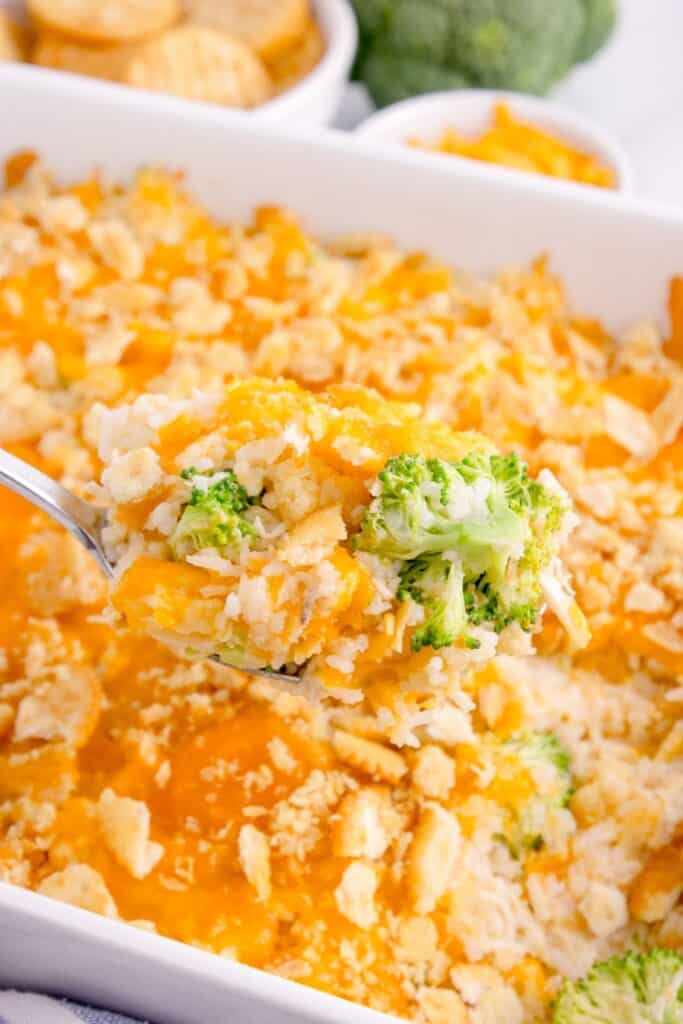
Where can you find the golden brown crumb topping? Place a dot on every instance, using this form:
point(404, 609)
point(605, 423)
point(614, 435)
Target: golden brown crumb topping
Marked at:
point(537, 827)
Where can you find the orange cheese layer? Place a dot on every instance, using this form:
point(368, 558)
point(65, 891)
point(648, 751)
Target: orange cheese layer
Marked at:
point(85, 708)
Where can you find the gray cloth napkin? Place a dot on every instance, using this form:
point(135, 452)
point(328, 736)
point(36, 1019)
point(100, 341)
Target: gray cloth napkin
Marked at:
point(28, 1008)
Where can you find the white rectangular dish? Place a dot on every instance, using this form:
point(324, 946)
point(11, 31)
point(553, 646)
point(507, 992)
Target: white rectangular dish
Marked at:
point(615, 254)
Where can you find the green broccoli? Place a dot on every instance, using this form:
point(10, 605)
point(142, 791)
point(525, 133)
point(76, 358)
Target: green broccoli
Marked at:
point(437, 584)
point(638, 988)
point(214, 515)
point(544, 758)
point(427, 506)
point(415, 46)
point(600, 17)
point(497, 528)
point(507, 588)
point(236, 655)
point(391, 78)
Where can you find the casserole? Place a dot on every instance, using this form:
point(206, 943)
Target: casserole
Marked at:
point(488, 223)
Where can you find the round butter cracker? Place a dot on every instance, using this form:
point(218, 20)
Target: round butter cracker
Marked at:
point(105, 22)
point(270, 27)
point(13, 39)
point(202, 64)
point(55, 51)
point(298, 61)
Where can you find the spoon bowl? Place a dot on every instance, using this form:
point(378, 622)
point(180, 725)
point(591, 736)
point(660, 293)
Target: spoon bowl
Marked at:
point(85, 522)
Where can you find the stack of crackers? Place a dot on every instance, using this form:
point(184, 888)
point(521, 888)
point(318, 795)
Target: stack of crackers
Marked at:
point(239, 53)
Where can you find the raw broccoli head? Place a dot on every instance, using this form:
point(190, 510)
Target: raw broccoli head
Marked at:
point(547, 762)
point(214, 515)
point(600, 17)
point(497, 529)
point(639, 988)
point(414, 46)
point(392, 77)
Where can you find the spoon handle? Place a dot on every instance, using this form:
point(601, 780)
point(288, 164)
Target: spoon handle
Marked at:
point(79, 517)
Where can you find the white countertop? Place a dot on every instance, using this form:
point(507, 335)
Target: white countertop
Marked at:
point(634, 88)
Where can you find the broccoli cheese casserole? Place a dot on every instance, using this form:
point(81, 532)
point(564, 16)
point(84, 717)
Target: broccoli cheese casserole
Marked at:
point(334, 533)
point(514, 854)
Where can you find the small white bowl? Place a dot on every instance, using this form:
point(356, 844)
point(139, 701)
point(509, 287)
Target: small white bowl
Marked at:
point(470, 111)
point(311, 102)
point(315, 99)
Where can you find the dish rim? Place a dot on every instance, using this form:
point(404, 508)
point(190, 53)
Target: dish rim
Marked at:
point(268, 990)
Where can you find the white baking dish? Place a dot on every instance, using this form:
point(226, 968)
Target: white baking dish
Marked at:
point(616, 255)
point(314, 100)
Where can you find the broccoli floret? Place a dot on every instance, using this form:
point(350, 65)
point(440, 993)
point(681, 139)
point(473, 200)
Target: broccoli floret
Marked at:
point(414, 46)
point(638, 988)
point(498, 528)
point(437, 584)
point(237, 655)
point(546, 760)
point(428, 506)
point(544, 748)
point(600, 17)
point(392, 77)
point(484, 605)
point(503, 593)
point(214, 515)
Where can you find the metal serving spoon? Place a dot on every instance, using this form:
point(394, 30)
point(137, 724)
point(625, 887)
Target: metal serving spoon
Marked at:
point(85, 522)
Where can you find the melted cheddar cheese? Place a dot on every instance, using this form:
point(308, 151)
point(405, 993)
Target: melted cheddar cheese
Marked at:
point(187, 799)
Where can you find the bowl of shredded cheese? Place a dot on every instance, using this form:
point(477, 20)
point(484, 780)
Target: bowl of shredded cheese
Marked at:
point(506, 130)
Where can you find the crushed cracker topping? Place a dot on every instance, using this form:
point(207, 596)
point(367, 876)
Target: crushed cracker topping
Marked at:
point(393, 877)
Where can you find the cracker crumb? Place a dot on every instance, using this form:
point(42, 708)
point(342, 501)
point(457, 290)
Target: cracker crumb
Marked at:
point(118, 248)
point(432, 856)
point(254, 855)
point(433, 772)
point(81, 886)
point(378, 761)
point(442, 1006)
point(125, 825)
point(355, 895)
point(132, 475)
point(360, 830)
